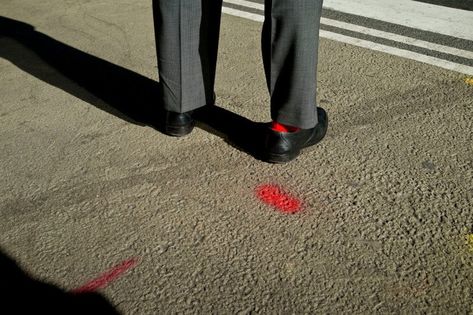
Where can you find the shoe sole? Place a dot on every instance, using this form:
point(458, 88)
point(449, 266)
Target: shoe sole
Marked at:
point(281, 158)
point(179, 131)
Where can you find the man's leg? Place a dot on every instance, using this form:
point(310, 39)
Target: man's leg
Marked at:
point(187, 33)
point(290, 42)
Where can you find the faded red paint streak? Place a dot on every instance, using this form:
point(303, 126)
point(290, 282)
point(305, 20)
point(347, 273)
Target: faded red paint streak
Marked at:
point(276, 197)
point(103, 280)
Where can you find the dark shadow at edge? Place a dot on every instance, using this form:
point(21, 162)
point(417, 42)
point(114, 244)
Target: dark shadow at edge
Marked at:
point(456, 4)
point(112, 88)
point(21, 294)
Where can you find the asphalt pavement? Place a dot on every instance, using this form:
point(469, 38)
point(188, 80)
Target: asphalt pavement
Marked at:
point(102, 213)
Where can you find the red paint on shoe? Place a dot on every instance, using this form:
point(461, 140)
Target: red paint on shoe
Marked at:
point(103, 280)
point(274, 196)
point(283, 128)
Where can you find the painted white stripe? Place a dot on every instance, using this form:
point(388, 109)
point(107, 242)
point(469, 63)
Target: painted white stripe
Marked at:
point(399, 52)
point(373, 32)
point(399, 38)
point(370, 45)
point(246, 15)
point(247, 4)
point(423, 16)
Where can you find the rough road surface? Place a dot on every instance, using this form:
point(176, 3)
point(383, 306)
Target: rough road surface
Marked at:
point(92, 198)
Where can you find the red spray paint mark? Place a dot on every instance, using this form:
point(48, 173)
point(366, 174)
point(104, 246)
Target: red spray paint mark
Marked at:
point(103, 280)
point(274, 196)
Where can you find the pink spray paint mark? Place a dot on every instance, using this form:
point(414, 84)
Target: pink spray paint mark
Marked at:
point(105, 279)
point(274, 196)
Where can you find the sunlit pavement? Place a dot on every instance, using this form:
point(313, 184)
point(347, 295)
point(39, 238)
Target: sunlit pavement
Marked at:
point(93, 199)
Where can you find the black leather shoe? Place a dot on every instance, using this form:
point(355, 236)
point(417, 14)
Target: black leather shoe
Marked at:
point(282, 147)
point(182, 124)
point(178, 124)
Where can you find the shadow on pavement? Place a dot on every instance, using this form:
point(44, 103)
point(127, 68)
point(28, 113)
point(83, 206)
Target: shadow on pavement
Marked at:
point(114, 89)
point(240, 132)
point(21, 294)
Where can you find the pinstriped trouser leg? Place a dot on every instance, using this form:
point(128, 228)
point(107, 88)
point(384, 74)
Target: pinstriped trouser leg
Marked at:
point(290, 42)
point(187, 34)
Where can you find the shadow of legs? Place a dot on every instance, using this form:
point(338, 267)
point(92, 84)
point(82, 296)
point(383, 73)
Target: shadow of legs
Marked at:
point(114, 89)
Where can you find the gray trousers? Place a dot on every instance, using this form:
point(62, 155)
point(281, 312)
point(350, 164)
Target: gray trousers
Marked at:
point(187, 33)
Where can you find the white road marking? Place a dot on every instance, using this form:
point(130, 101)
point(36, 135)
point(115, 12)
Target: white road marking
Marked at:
point(247, 4)
point(399, 52)
point(370, 45)
point(399, 38)
point(423, 16)
point(246, 15)
point(376, 33)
